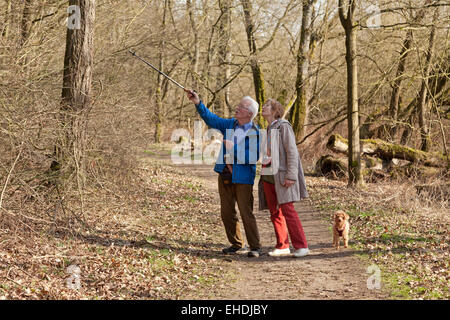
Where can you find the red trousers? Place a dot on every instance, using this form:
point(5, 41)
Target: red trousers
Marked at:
point(285, 220)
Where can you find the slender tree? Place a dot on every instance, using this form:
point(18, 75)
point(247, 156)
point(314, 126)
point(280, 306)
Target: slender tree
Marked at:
point(224, 56)
point(299, 112)
point(396, 86)
point(258, 79)
point(346, 15)
point(422, 107)
point(159, 83)
point(77, 79)
point(25, 25)
point(195, 57)
point(6, 28)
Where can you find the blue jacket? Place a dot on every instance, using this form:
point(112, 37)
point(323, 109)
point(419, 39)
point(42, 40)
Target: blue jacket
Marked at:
point(245, 154)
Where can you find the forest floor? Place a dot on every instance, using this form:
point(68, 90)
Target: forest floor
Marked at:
point(157, 234)
point(324, 274)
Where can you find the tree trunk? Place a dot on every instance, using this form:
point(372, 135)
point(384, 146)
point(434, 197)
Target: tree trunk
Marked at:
point(299, 113)
point(76, 92)
point(196, 54)
point(159, 85)
point(395, 96)
point(437, 83)
point(224, 58)
point(25, 26)
point(5, 31)
point(258, 79)
point(354, 155)
point(422, 108)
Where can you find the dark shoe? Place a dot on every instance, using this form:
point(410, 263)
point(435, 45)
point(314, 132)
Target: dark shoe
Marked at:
point(230, 250)
point(254, 253)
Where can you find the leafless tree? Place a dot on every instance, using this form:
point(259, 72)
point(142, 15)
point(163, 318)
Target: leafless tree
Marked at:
point(346, 15)
point(299, 113)
point(258, 78)
point(77, 90)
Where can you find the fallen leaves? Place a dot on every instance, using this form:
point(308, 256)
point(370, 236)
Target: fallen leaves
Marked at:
point(147, 238)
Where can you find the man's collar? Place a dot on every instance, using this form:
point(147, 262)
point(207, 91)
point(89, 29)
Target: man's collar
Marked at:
point(244, 127)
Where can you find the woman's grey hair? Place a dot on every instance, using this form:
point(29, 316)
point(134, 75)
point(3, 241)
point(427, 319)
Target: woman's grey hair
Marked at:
point(253, 106)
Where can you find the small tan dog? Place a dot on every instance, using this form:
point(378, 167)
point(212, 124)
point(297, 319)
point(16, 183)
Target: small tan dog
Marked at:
point(341, 227)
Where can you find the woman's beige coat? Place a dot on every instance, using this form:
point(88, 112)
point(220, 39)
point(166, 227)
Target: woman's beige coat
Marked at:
point(289, 166)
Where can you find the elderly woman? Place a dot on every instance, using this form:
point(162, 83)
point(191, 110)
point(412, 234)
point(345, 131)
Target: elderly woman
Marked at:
point(282, 183)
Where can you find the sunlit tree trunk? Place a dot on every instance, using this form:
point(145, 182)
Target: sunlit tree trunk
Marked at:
point(159, 86)
point(25, 26)
point(196, 55)
point(5, 32)
point(299, 112)
point(355, 177)
point(396, 88)
point(422, 107)
point(76, 92)
point(258, 79)
point(224, 57)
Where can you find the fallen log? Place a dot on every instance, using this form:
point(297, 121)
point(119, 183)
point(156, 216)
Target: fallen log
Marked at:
point(331, 167)
point(336, 168)
point(388, 151)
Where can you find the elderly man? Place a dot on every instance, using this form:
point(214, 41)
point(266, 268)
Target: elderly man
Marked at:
point(237, 169)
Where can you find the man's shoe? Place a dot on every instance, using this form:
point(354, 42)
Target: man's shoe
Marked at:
point(279, 252)
point(301, 252)
point(230, 250)
point(254, 253)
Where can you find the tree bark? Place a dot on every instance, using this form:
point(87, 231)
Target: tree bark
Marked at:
point(25, 26)
point(437, 84)
point(159, 85)
point(196, 54)
point(258, 79)
point(355, 177)
point(224, 58)
point(422, 108)
point(395, 96)
point(76, 92)
point(5, 32)
point(299, 113)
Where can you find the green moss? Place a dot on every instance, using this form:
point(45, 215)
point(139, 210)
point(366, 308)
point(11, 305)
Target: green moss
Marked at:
point(336, 137)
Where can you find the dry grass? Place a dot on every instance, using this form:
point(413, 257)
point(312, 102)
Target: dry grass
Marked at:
point(145, 233)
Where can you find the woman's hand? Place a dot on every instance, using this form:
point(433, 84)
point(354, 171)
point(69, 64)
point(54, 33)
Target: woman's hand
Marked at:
point(288, 183)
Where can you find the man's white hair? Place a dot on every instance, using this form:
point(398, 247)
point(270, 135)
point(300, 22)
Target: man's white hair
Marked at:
point(253, 106)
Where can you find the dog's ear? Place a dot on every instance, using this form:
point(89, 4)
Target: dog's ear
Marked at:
point(334, 215)
point(347, 217)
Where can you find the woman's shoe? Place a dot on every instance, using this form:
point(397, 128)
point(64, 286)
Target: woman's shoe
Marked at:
point(279, 252)
point(301, 252)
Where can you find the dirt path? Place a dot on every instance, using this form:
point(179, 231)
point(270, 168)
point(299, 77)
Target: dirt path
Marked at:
point(324, 274)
